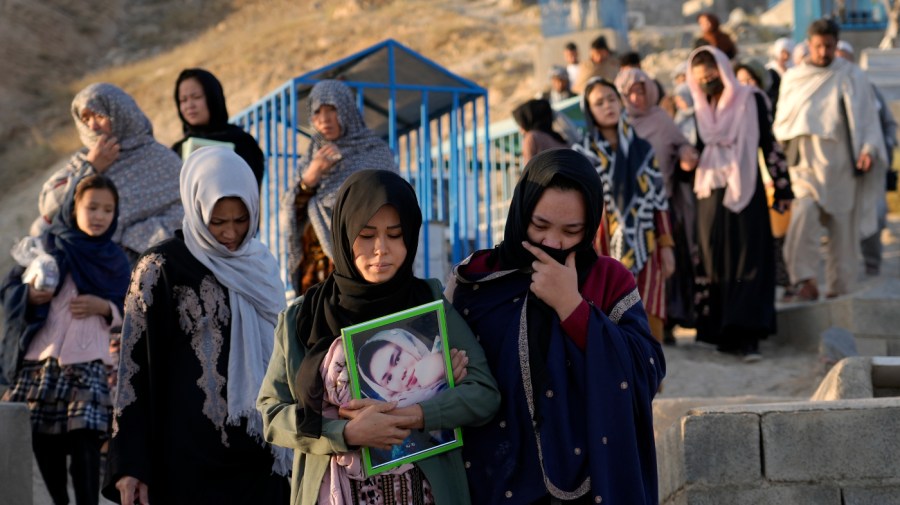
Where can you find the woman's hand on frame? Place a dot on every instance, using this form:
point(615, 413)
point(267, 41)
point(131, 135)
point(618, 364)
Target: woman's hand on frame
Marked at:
point(458, 362)
point(371, 424)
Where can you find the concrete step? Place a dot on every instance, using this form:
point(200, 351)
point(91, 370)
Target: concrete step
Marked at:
point(874, 58)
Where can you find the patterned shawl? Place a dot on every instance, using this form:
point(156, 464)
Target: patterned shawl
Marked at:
point(145, 173)
point(632, 188)
point(359, 147)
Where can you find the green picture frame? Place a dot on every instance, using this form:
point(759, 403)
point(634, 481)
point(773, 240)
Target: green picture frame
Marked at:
point(402, 357)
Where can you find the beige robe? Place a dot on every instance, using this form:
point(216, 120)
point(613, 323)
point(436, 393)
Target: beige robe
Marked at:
point(809, 113)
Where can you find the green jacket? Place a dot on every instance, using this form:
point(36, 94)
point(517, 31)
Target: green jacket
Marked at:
point(473, 402)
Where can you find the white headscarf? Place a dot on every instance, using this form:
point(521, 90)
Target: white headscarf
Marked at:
point(782, 44)
point(255, 290)
point(414, 346)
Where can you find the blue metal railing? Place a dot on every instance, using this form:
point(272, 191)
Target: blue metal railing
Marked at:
point(444, 171)
point(854, 15)
point(504, 150)
point(463, 168)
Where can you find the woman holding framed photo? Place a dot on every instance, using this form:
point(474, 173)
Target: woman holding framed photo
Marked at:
point(305, 398)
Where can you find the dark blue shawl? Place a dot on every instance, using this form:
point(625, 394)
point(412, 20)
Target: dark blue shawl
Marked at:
point(573, 423)
point(97, 265)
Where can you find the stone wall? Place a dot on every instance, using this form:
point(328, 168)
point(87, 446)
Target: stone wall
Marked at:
point(871, 315)
point(830, 453)
point(15, 454)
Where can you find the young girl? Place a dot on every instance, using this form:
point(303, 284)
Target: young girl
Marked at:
point(635, 229)
point(65, 339)
point(375, 234)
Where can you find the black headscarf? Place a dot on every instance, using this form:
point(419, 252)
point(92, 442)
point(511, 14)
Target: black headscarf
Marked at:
point(218, 127)
point(537, 176)
point(97, 265)
point(542, 170)
point(215, 101)
point(345, 298)
point(537, 114)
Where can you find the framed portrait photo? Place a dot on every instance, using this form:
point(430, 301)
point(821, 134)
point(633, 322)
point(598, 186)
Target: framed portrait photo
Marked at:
point(404, 358)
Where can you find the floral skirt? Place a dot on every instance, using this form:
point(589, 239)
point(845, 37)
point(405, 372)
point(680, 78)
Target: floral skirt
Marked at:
point(63, 398)
point(410, 488)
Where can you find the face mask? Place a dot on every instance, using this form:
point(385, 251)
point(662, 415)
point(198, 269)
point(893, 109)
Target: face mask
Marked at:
point(713, 87)
point(559, 255)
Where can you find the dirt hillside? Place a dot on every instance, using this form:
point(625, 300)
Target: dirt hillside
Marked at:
point(50, 49)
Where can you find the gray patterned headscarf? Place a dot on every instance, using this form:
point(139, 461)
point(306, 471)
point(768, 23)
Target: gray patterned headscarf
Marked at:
point(360, 149)
point(145, 173)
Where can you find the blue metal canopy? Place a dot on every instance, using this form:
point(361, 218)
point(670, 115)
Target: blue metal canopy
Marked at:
point(435, 123)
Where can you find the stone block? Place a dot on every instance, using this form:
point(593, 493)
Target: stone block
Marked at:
point(667, 412)
point(670, 462)
point(721, 449)
point(871, 495)
point(833, 443)
point(823, 494)
point(886, 372)
point(875, 317)
point(871, 345)
point(893, 347)
point(678, 499)
point(886, 376)
point(15, 454)
point(840, 312)
point(849, 378)
point(799, 325)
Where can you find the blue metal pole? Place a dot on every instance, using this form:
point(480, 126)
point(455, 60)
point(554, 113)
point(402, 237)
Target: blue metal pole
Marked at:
point(463, 186)
point(475, 170)
point(392, 104)
point(488, 175)
point(440, 171)
point(271, 165)
point(425, 176)
point(454, 180)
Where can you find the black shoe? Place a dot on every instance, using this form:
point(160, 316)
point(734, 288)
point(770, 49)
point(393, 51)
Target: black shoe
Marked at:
point(669, 338)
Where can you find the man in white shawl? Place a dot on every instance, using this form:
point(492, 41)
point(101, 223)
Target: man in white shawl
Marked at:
point(835, 149)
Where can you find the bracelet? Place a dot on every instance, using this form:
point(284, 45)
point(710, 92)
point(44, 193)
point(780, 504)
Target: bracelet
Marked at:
point(306, 188)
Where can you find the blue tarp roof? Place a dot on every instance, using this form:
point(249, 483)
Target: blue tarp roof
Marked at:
point(390, 67)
